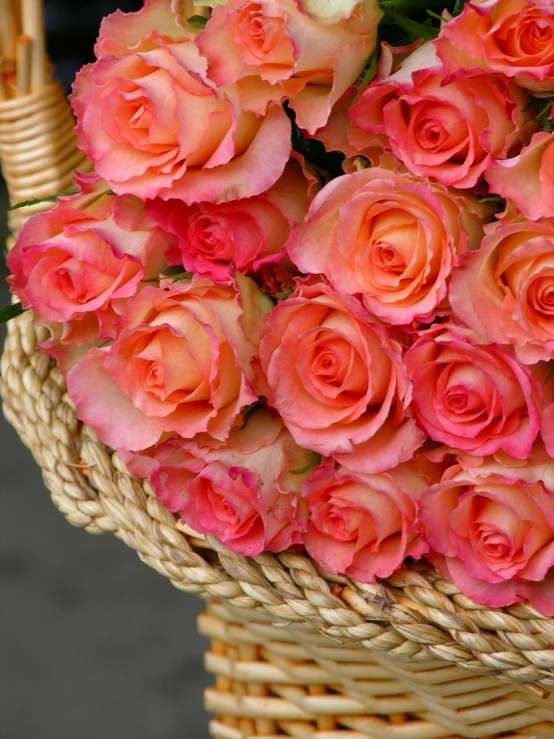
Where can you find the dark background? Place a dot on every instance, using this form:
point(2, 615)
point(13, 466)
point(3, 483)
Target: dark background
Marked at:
point(94, 644)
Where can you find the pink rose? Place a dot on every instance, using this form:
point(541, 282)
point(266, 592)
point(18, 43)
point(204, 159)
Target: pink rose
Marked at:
point(154, 125)
point(527, 179)
point(363, 526)
point(78, 263)
point(505, 290)
point(275, 51)
point(493, 537)
point(242, 492)
point(388, 237)
point(537, 467)
point(511, 37)
point(448, 130)
point(471, 395)
point(182, 363)
point(338, 380)
point(213, 240)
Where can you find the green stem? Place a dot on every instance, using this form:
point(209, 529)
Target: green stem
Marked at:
point(413, 28)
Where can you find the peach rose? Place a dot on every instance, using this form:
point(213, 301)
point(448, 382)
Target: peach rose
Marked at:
point(471, 395)
point(512, 37)
point(493, 537)
point(338, 381)
point(213, 240)
point(242, 492)
point(388, 237)
point(181, 363)
point(527, 179)
point(276, 50)
point(154, 125)
point(448, 130)
point(363, 526)
point(78, 263)
point(505, 290)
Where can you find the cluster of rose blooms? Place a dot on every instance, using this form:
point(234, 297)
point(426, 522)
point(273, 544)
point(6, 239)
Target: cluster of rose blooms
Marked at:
point(360, 367)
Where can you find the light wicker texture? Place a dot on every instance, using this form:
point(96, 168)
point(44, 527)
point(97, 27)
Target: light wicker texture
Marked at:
point(332, 637)
point(272, 682)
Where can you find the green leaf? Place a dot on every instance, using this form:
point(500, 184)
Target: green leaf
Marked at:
point(369, 72)
point(198, 20)
point(459, 6)
point(414, 29)
point(314, 459)
point(48, 199)
point(11, 311)
point(494, 199)
point(177, 273)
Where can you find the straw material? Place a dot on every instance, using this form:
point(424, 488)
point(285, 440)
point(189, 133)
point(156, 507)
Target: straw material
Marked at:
point(271, 682)
point(296, 652)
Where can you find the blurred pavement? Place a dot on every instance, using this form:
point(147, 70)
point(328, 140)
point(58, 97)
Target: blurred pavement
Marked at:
point(94, 644)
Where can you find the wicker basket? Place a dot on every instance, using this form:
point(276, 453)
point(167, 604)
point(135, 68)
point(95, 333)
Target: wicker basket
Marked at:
point(295, 652)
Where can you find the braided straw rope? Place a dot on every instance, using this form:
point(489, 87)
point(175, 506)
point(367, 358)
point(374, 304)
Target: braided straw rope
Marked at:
point(415, 615)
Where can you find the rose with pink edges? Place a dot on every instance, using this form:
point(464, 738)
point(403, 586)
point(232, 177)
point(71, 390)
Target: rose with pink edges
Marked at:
point(391, 238)
point(448, 130)
point(363, 526)
point(155, 126)
point(214, 240)
point(511, 37)
point(78, 264)
point(472, 395)
point(245, 491)
point(182, 362)
point(276, 51)
point(337, 379)
point(493, 536)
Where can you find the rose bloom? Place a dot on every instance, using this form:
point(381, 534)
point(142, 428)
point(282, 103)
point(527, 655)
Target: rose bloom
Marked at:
point(527, 179)
point(181, 363)
point(78, 263)
point(213, 240)
point(493, 536)
point(389, 237)
point(448, 130)
point(338, 380)
point(363, 526)
point(505, 290)
point(512, 37)
point(242, 491)
point(154, 125)
point(473, 396)
point(277, 51)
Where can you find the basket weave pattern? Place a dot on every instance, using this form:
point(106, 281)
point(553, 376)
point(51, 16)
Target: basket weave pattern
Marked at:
point(295, 652)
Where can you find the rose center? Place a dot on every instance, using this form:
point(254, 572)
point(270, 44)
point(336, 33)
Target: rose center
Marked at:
point(541, 295)
point(438, 128)
point(530, 36)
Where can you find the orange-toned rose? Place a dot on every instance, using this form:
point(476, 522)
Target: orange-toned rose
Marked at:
point(493, 536)
point(473, 396)
point(283, 50)
point(337, 379)
point(182, 362)
point(512, 37)
point(79, 263)
point(527, 179)
point(505, 290)
point(243, 491)
point(449, 130)
point(389, 237)
point(363, 526)
point(154, 125)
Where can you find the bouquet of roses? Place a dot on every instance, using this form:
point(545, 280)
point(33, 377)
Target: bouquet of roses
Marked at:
point(308, 291)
